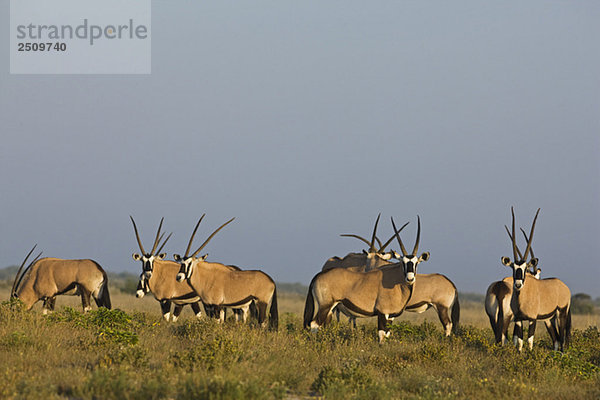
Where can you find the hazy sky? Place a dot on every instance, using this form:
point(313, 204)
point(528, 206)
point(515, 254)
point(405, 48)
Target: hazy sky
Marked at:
point(304, 120)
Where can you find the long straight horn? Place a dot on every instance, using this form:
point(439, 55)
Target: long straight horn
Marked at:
point(25, 271)
point(531, 233)
point(382, 248)
point(163, 243)
point(372, 248)
point(416, 248)
point(357, 237)
point(137, 236)
point(187, 250)
point(14, 285)
point(527, 240)
point(396, 234)
point(511, 239)
point(210, 237)
point(157, 239)
point(514, 238)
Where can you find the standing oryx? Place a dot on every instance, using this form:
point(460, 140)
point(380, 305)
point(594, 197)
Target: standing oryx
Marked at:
point(383, 292)
point(432, 290)
point(497, 301)
point(219, 285)
point(158, 276)
point(45, 278)
point(534, 299)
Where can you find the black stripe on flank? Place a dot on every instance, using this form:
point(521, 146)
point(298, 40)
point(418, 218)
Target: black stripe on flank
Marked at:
point(418, 305)
point(239, 303)
point(350, 306)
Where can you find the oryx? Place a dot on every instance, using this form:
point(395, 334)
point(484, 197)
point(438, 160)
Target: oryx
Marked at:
point(432, 290)
point(382, 292)
point(497, 301)
point(534, 299)
point(45, 278)
point(221, 286)
point(158, 277)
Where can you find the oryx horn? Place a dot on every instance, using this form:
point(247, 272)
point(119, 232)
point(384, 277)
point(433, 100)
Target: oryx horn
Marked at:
point(402, 248)
point(382, 248)
point(163, 243)
point(511, 239)
point(416, 248)
point(157, 239)
point(137, 236)
point(527, 240)
point(187, 250)
point(372, 245)
point(531, 234)
point(211, 236)
point(17, 280)
point(514, 241)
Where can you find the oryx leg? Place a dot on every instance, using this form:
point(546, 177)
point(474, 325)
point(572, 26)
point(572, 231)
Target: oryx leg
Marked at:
point(262, 312)
point(445, 319)
point(531, 333)
point(176, 312)
point(518, 335)
point(197, 310)
point(504, 330)
point(49, 304)
point(552, 331)
point(86, 299)
point(383, 323)
point(322, 316)
point(165, 306)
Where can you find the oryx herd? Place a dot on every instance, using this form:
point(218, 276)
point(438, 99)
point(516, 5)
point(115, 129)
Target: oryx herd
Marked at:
point(366, 284)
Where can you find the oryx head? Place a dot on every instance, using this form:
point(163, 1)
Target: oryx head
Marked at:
point(520, 265)
point(188, 262)
point(410, 261)
point(148, 259)
point(19, 276)
point(376, 257)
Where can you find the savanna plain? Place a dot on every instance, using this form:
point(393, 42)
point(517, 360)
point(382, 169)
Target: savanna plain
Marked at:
point(130, 353)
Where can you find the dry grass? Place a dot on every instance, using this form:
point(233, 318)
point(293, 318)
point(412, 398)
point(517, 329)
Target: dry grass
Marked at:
point(132, 354)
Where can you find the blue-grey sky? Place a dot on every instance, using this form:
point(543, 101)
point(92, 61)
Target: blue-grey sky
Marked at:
point(306, 119)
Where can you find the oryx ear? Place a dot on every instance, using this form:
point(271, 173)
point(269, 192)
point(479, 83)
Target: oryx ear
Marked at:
point(506, 261)
point(397, 255)
point(161, 256)
point(386, 256)
point(204, 257)
point(534, 262)
point(176, 257)
point(136, 256)
point(424, 256)
point(538, 272)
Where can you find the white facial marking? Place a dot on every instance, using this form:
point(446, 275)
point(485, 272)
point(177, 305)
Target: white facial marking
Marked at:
point(410, 276)
point(139, 294)
point(180, 277)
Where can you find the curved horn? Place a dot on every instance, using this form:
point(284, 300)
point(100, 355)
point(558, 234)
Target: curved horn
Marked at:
point(514, 241)
point(187, 250)
point(511, 239)
point(357, 237)
point(137, 236)
point(210, 237)
point(531, 234)
point(163, 243)
point(157, 239)
point(416, 248)
point(14, 285)
point(378, 241)
point(398, 237)
point(527, 240)
point(382, 248)
point(372, 244)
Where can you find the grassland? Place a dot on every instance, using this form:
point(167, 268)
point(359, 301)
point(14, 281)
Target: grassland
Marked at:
point(129, 353)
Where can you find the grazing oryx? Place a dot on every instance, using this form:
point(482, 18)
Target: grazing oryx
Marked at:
point(497, 301)
point(383, 292)
point(158, 277)
point(219, 285)
point(534, 299)
point(45, 278)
